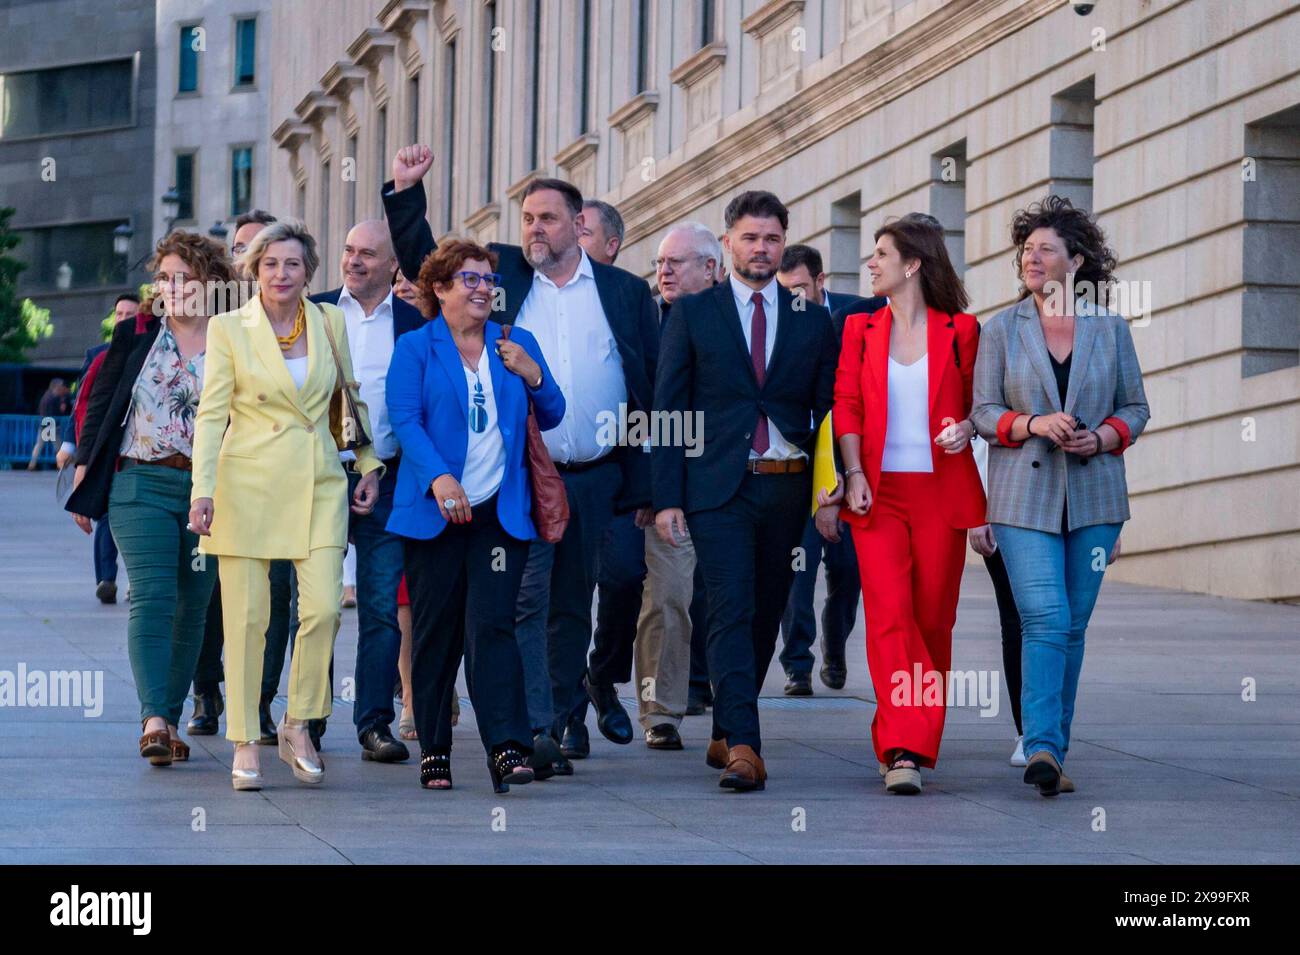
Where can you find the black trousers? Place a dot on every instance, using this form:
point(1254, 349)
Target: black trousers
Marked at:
point(839, 613)
point(463, 586)
point(620, 576)
point(746, 548)
point(1009, 617)
point(573, 581)
point(700, 686)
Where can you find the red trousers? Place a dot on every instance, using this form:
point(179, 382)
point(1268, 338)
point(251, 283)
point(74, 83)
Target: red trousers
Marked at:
point(911, 563)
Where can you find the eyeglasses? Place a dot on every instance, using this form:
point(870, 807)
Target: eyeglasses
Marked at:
point(472, 279)
point(675, 263)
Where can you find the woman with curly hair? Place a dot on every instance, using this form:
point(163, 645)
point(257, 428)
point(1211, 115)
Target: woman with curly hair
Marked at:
point(1059, 398)
point(133, 464)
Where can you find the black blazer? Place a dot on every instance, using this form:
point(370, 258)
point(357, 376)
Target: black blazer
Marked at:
point(406, 317)
point(629, 309)
point(853, 306)
point(106, 410)
point(704, 366)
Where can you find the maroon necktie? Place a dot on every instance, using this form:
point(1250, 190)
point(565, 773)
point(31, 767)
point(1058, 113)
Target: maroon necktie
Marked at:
point(758, 354)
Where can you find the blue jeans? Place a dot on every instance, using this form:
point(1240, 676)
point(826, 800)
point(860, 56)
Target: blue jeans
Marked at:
point(531, 612)
point(1055, 579)
point(379, 641)
point(105, 554)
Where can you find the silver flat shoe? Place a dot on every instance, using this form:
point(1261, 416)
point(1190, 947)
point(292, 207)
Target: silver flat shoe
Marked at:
point(305, 770)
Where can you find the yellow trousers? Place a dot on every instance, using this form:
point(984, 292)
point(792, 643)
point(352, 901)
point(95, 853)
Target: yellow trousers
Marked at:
point(246, 612)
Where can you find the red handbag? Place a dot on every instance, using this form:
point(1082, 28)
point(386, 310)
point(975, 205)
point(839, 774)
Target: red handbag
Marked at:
point(550, 502)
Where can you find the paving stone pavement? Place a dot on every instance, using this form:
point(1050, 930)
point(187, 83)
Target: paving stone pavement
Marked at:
point(1166, 753)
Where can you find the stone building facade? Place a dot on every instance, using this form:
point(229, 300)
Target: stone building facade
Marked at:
point(1176, 121)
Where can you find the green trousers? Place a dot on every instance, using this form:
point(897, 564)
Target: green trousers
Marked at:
point(171, 583)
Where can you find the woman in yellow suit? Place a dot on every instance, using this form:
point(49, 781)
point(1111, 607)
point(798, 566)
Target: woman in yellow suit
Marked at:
point(271, 487)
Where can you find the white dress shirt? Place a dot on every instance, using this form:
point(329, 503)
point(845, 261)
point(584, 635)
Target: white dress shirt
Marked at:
point(570, 326)
point(370, 343)
point(778, 448)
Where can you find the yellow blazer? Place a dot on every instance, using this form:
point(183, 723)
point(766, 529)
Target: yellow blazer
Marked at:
point(823, 462)
point(277, 486)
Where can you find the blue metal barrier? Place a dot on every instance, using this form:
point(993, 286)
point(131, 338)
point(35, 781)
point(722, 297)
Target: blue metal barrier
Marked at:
point(19, 434)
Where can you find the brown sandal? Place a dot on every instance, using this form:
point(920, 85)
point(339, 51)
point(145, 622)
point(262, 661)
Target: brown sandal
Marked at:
point(180, 750)
point(156, 747)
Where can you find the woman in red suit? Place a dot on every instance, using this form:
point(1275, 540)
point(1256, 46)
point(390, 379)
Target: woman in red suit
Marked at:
point(902, 417)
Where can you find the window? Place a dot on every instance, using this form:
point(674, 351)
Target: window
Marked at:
point(707, 13)
point(246, 52)
point(413, 107)
point(642, 45)
point(191, 41)
point(535, 128)
point(322, 236)
point(185, 186)
point(381, 142)
point(1270, 244)
point(241, 180)
point(350, 180)
point(584, 69)
point(948, 199)
point(68, 99)
point(69, 257)
point(449, 141)
point(489, 152)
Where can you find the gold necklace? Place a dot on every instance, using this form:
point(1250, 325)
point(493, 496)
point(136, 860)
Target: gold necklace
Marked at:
point(299, 325)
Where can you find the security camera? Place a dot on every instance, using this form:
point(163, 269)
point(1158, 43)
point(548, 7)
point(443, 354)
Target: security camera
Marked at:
point(1082, 9)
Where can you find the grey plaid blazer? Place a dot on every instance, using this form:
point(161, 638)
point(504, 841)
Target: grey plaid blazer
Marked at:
point(1029, 485)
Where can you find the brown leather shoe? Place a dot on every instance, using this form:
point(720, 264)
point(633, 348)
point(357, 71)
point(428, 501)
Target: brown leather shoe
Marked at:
point(745, 770)
point(1067, 784)
point(715, 757)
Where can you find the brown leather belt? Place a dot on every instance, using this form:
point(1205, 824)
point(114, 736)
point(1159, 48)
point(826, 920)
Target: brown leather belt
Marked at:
point(768, 466)
point(176, 461)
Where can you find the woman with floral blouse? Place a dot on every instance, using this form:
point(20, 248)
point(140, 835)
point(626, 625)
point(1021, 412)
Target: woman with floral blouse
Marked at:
point(133, 464)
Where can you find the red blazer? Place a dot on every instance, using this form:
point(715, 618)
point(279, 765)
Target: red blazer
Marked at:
point(862, 404)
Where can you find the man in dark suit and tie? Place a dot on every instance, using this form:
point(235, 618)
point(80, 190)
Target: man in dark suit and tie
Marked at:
point(598, 328)
point(801, 272)
point(759, 373)
point(374, 318)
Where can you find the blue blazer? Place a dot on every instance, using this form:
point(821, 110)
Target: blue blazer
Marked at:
point(428, 407)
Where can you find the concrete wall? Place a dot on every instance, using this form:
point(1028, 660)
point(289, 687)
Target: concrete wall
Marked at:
point(1143, 110)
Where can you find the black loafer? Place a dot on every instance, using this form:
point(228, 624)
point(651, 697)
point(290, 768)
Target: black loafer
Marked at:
point(663, 736)
point(106, 591)
point(800, 684)
point(834, 673)
point(208, 705)
point(611, 719)
point(265, 721)
point(576, 743)
point(378, 745)
point(546, 752)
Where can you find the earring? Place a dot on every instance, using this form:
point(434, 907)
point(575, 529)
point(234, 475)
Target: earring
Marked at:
point(907, 273)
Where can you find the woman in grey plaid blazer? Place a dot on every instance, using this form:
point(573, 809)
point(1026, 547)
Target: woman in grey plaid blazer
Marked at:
point(1058, 395)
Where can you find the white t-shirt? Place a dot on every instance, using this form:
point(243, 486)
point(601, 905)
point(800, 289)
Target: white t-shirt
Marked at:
point(907, 430)
point(485, 458)
point(297, 369)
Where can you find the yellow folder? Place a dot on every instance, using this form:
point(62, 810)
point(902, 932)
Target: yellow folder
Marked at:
point(823, 461)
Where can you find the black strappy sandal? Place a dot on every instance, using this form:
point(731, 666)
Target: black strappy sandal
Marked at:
point(508, 764)
point(435, 766)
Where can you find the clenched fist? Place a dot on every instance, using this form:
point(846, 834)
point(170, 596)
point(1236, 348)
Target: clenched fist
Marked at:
point(410, 165)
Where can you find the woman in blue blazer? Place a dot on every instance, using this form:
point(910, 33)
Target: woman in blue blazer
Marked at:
point(458, 395)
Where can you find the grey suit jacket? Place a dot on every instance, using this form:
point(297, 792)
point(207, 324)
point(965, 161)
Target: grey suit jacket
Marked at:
point(1028, 485)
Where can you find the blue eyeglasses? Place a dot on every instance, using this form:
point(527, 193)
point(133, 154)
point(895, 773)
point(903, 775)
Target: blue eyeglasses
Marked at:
point(472, 279)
